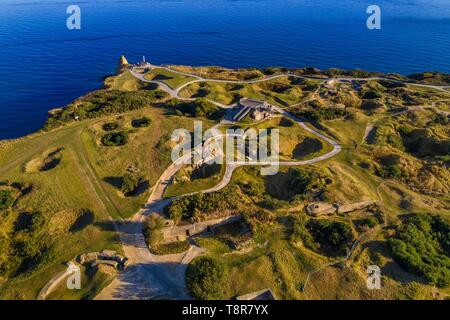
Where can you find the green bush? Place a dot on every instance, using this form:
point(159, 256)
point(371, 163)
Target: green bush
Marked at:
point(141, 122)
point(152, 230)
point(26, 249)
point(255, 188)
point(333, 237)
point(391, 171)
point(170, 248)
point(110, 126)
point(372, 104)
point(422, 246)
point(200, 207)
point(199, 108)
point(206, 278)
point(273, 203)
point(6, 199)
point(300, 232)
point(372, 94)
point(286, 122)
point(130, 182)
point(115, 139)
point(323, 113)
point(304, 181)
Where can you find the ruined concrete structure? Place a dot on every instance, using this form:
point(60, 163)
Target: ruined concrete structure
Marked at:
point(317, 209)
point(181, 232)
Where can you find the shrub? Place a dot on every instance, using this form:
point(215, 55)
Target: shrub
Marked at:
point(334, 237)
point(391, 171)
point(170, 248)
point(197, 108)
point(322, 113)
point(372, 94)
point(272, 203)
point(304, 181)
point(372, 104)
point(6, 199)
point(422, 246)
point(300, 232)
point(141, 122)
point(152, 230)
point(286, 122)
point(110, 126)
point(200, 207)
point(115, 139)
point(369, 222)
point(254, 188)
point(130, 182)
point(25, 249)
point(206, 278)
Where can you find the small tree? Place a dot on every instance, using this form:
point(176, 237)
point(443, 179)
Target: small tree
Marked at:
point(6, 199)
point(115, 139)
point(153, 226)
point(206, 278)
point(130, 182)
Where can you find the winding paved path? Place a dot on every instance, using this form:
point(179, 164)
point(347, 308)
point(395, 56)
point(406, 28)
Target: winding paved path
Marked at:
point(162, 277)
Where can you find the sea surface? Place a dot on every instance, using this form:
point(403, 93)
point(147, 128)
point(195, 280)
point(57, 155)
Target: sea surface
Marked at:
point(44, 65)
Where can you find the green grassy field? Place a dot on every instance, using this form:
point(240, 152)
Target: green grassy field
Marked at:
point(172, 79)
point(84, 179)
point(124, 82)
point(69, 171)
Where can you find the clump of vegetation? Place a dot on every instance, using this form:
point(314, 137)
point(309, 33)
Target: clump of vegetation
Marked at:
point(305, 181)
point(422, 246)
point(24, 249)
point(141, 122)
point(372, 104)
point(322, 113)
point(300, 232)
point(390, 167)
point(284, 188)
point(286, 122)
point(104, 102)
point(332, 237)
point(329, 237)
point(372, 94)
point(197, 108)
point(110, 126)
point(171, 248)
point(390, 171)
point(6, 199)
point(153, 226)
point(115, 139)
point(366, 223)
point(206, 278)
point(130, 183)
point(202, 206)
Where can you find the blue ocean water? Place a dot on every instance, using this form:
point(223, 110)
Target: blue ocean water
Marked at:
point(44, 65)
